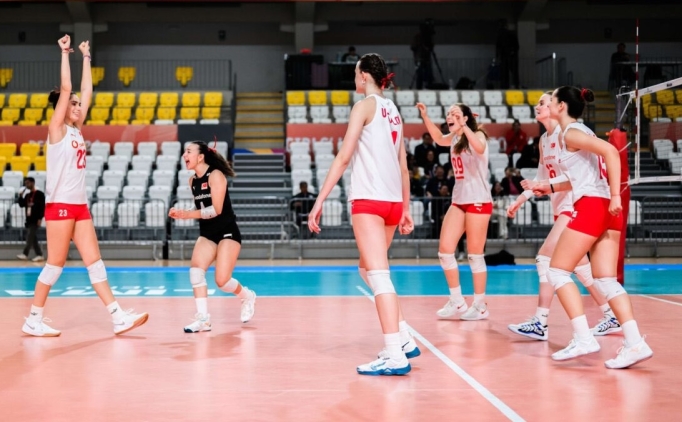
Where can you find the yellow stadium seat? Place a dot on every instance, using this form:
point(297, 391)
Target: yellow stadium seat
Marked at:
point(126, 75)
point(120, 116)
point(140, 122)
point(3, 164)
point(168, 99)
point(8, 150)
point(5, 77)
point(189, 113)
point(97, 75)
point(144, 113)
point(33, 114)
point(514, 97)
point(191, 99)
point(295, 98)
point(27, 123)
point(678, 96)
point(165, 113)
point(651, 111)
point(210, 113)
point(646, 99)
point(17, 100)
point(2, 100)
point(340, 97)
point(20, 163)
point(6, 123)
point(534, 96)
point(317, 97)
point(38, 101)
point(10, 114)
point(673, 111)
point(104, 99)
point(666, 97)
point(148, 99)
point(48, 115)
point(125, 99)
point(30, 149)
point(99, 115)
point(39, 163)
point(213, 99)
point(184, 74)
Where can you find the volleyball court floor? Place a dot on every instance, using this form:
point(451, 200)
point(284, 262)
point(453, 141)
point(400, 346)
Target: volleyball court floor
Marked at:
point(295, 361)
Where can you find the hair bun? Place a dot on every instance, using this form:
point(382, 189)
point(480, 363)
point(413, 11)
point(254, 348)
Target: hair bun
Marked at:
point(587, 95)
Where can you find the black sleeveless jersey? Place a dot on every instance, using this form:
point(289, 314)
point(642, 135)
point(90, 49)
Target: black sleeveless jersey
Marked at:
point(202, 199)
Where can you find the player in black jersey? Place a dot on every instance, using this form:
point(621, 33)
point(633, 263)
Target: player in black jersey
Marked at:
point(219, 237)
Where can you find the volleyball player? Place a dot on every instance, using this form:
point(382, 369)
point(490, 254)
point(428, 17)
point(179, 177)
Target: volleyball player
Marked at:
point(219, 237)
point(66, 211)
point(591, 169)
point(471, 208)
point(562, 206)
point(380, 202)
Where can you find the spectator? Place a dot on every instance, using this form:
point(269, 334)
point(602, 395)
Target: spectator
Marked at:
point(430, 164)
point(530, 156)
point(351, 56)
point(33, 201)
point(511, 184)
point(302, 207)
point(422, 149)
point(500, 201)
point(439, 207)
point(621, 74)
point(416, 186)
point(439, 179)
point(516, 138)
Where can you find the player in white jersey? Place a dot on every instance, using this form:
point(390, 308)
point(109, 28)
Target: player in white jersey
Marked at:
point(591, 169)
point(562, 205)
point(66, 212)
point(380, 201)
point(472, 206)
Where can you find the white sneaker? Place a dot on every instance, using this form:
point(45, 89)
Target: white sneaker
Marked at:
point(452, 309)
point(607, 325)
point(476, 312)
point(630, 355)
point(22, 257)
point(385, 366)
point(201, 323)
point(248, 307)
point(37, 327)
point(410, 349)
point(38, 258)
point(128, 321)
point(577, 348)
point(532, 328)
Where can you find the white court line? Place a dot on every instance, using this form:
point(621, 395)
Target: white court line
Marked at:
point(661, 300)
point(480, 389)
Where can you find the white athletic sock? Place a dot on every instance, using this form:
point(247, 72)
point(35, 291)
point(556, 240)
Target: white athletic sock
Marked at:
point(542, 314)
point(404, 332)
point(456, 294)
point(581, 328)
point(245, 293)
point(202, 305)
point(393, 346)
point(606, 310)
point(480, 299)
point(115, 310)
point(36, 313)
point(631, 332)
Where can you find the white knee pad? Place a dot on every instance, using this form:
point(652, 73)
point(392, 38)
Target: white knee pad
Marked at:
point(50, 274)
point(609, 287)
point(584, 273)
point(477, 263)
point(380, 281)
point(97, 272)
point(447, 261)
point(197, 277)
point(542, 264)
point(558, 278)
point(230, 286)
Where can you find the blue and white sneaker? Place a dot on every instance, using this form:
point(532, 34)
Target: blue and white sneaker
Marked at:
point(607, 325)
point(410, 349)
point(385, 366)
point(532, 328)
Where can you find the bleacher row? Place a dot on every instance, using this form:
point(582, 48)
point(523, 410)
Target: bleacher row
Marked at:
point(490, 106)
point(121, 108)
point(663, 106)
point(664, 149)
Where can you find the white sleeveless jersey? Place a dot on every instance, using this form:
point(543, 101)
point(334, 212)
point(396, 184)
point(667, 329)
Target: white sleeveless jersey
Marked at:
point(471, 176)
point(551, 148)
point(585, 170)
point(375, 164)
point(65, 178)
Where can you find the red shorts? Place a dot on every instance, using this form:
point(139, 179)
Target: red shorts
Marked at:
point(591, 216)
point(486, 208)
point(568, 214)
point(391, 212)
point(57, 211)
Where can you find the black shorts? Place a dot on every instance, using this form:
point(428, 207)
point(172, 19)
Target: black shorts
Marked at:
point(228, 231)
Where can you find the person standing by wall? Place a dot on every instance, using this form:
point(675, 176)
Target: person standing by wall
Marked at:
point(33, 201)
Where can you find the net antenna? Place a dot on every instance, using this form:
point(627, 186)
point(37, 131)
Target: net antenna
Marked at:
point(636, 95)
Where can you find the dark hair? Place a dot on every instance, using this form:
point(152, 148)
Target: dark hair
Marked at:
point(300, 185)
point(53, 98)
point(375, 65)
point(575, 99)
point(214, 159)
point(29, 179)
point(351, 48)
point(463, 142)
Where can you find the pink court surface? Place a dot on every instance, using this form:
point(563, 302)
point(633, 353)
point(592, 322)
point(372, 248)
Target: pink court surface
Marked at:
point(295, 361)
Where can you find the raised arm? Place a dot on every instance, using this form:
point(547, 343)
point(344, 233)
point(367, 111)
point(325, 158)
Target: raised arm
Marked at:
point(86, 82)
point(56, 127)
point(434, 131)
